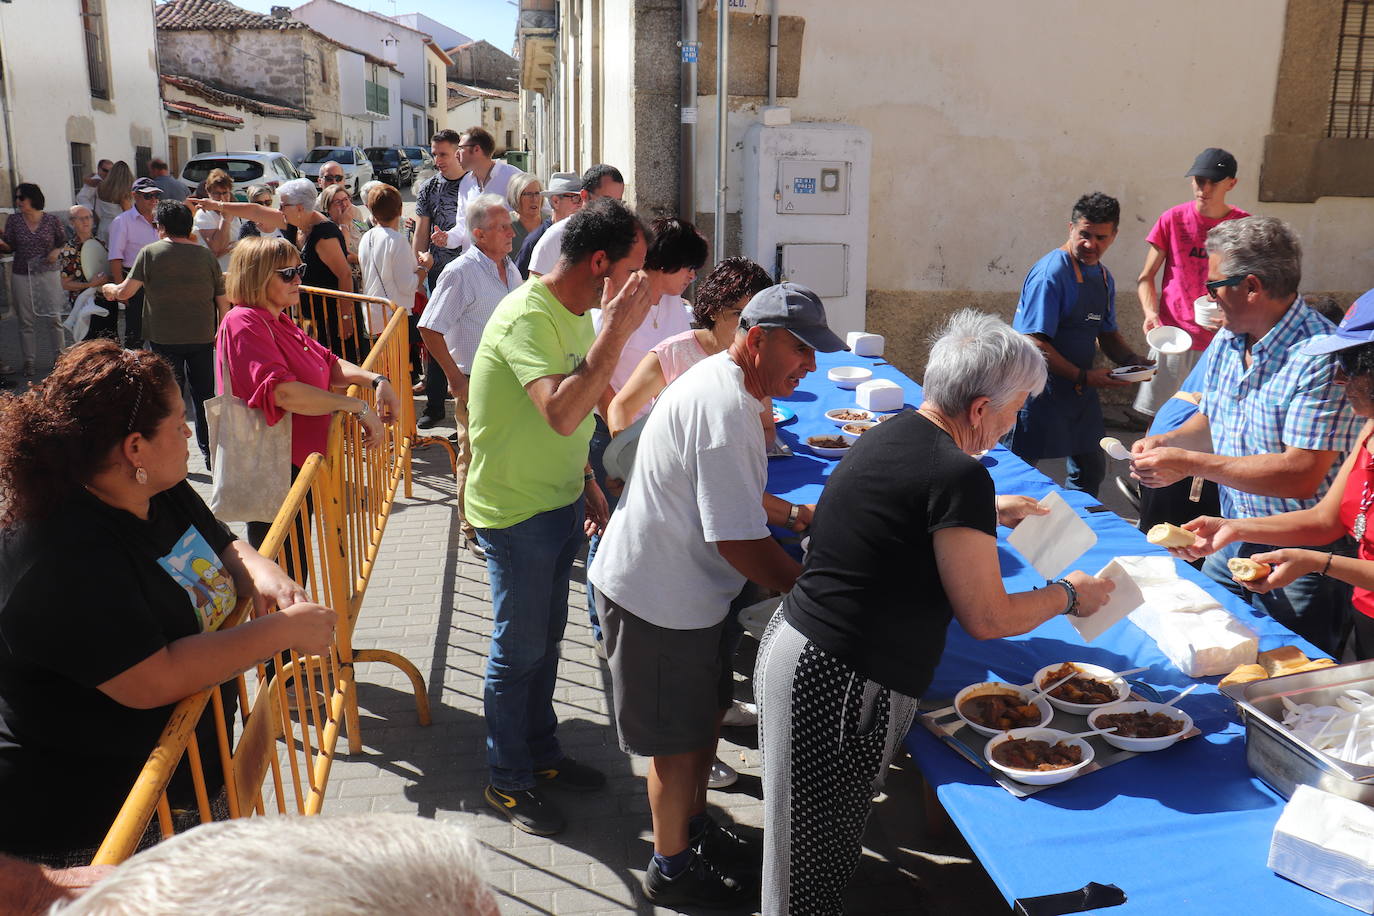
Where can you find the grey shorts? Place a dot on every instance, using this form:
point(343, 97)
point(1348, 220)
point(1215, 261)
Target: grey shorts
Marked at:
point(669, 686)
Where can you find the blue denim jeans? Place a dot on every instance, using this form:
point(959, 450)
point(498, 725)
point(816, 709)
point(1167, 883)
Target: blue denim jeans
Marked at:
point(1314, 607)
point(1086, 471)
point(529, 565)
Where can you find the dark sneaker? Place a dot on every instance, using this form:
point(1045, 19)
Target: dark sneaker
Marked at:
point(526, 810)
point(727, 850)
point(571, 775)
point(428, 422)
point(699, 884)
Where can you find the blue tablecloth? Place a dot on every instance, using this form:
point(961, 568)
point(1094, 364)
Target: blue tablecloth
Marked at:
point(1184, 830)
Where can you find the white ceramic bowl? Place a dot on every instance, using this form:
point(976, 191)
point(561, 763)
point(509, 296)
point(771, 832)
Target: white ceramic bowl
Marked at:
point(1167, 339)
point(1142, 744)
point(1097, 673)
point(977, 690)
point(1040, 777)
point(849, 376)
point(1140, 374)
point(830, 415)
point(823, 451)
point(863, 425)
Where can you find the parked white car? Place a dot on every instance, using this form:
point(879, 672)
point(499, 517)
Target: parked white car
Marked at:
point(247, 168)
point(357, 169)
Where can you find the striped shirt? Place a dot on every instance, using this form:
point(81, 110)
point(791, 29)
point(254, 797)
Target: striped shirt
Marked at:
point(468, 291)
point(1284, 399)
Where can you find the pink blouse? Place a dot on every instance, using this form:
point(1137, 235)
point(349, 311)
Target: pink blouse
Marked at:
point(261, 354)
point(679, 353)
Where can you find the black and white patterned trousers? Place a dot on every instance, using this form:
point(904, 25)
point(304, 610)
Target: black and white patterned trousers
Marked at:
point(828, 735)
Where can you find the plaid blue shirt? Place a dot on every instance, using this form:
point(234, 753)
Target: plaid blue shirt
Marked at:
point(1284, 399)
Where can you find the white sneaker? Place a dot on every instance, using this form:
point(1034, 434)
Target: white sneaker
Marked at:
point(741, 713)
point(722, 775)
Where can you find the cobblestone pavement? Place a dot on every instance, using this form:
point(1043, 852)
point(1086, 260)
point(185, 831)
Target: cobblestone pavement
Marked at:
point(429, 600)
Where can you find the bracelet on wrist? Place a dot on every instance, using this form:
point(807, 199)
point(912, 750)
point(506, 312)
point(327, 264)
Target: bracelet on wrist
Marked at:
point(588, 478)
point(377, 381)
point(1327, 568)
point(792, 515)
point(1072, 609)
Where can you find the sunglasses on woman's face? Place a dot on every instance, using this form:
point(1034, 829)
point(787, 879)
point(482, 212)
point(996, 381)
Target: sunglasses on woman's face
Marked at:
point(288, 274)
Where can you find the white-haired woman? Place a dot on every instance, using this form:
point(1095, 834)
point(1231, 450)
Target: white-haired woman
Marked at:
point(525, 197)
point(323, 252)
point(904, 539)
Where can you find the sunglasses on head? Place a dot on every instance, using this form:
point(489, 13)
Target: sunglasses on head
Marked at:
point(331, 178)
point(288, 274)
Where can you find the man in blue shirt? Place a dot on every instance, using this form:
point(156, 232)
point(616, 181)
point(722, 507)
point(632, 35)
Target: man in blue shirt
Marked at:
point(1068, 310)
point(1273, 425)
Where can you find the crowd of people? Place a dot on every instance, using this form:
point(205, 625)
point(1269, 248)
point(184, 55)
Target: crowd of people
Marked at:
point(555, 321)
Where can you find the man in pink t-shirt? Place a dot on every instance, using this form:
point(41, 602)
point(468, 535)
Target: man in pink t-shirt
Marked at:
point(1178, 244)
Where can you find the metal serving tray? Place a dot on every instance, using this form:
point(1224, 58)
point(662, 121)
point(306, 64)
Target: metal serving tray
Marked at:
point(1279, 757)
point(945, 723)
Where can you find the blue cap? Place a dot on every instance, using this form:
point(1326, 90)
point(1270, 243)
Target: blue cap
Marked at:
point(796, 308)
point(1357, 327)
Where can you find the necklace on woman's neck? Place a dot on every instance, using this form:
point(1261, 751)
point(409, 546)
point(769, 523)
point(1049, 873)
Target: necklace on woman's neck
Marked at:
point(941, 422)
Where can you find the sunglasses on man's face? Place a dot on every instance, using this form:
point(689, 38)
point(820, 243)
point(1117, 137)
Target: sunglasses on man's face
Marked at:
point(1233, 280)
point(288, 274)
point(331, 178)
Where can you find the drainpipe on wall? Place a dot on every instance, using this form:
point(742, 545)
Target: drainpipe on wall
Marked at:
point(687, 108)
point(722, 125)
point(772, 53)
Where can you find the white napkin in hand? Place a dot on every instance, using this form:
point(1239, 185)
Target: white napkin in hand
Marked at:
point(1052, 543)
point(1326, 843)
point(1126, 597)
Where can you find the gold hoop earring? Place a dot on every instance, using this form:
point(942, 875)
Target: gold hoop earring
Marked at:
point(140, 475)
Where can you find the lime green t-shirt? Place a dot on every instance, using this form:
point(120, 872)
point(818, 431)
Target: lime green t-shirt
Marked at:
point(520, 465)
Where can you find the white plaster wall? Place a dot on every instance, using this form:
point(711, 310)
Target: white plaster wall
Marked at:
point(990, 119)
point(617, 117)
point(365, 32)
point(49, 98)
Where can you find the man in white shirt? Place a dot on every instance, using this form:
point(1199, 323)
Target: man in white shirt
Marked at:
point(468, 291)
point(689, 531)
point(484, 176)
point(598, 181)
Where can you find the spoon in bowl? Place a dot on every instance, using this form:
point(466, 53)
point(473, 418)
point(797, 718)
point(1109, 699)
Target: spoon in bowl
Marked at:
point(1183, 693)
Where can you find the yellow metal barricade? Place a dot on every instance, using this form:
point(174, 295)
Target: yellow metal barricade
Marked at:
point(290, 709)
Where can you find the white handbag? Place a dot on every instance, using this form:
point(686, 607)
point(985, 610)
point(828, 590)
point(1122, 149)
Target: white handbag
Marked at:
point(252, 460)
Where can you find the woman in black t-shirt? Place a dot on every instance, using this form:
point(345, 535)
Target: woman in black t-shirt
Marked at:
point(325, 255)
point(904, 538)
point(114, 577)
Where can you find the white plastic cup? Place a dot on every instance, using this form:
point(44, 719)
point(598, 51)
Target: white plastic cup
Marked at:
point(1207, 313)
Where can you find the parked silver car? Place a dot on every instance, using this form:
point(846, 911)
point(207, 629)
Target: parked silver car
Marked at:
point(357, 169)
point(247, 168)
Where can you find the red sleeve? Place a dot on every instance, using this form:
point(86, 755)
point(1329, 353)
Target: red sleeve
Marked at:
point(255, 362)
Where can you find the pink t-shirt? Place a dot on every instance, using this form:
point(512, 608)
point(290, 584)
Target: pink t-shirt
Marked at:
point(679, 353)
point(261, 354)
point(1181, 233)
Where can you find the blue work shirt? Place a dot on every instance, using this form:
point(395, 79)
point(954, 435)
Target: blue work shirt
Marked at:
point(1071, 312)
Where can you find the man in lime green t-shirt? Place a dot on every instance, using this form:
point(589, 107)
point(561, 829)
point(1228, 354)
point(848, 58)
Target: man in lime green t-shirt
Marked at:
point(538, 372)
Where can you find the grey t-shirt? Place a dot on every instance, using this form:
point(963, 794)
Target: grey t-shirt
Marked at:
point(180, 283)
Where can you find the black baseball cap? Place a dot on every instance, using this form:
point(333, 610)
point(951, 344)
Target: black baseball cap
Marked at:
point(796, 308)
point(1214, 164)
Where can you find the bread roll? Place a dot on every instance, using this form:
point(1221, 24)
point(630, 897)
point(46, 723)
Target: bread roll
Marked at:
point(1248, 570)
point(1283, 660)
point(1167, 535)
point(1244, 674)
point(1315, 664)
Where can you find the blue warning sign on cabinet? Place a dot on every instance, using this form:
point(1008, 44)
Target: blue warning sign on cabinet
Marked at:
point(803, 186)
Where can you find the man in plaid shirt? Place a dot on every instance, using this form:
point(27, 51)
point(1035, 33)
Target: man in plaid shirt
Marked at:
point(1273, 426)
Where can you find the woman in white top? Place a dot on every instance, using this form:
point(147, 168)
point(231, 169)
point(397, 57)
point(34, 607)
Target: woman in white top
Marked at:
point(715, 317)
point(390, 269)
point(113, 196)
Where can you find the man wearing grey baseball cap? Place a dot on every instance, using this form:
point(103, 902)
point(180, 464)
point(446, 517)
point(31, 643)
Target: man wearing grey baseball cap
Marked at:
point(690, 529)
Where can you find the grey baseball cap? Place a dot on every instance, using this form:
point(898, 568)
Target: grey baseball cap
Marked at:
point(796, 308)
point(562, 183)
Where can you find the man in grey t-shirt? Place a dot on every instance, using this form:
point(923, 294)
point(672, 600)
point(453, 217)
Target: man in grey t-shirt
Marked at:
point(183, 303)
point(690, 529)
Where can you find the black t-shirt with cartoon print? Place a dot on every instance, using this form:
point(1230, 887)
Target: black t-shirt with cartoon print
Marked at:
point(87, 594)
